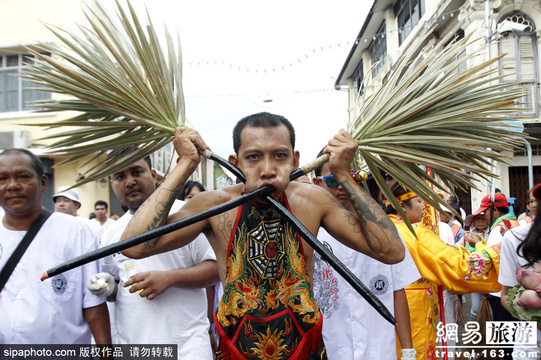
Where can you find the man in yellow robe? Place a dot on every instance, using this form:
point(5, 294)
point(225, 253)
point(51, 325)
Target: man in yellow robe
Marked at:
point(440, 265)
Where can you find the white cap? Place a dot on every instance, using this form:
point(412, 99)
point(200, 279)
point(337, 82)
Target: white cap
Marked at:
point(71, 194)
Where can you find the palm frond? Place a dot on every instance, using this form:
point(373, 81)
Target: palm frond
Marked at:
point(432, 113)
point(127, 89)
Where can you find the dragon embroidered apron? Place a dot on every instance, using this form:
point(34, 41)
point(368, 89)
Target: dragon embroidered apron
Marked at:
point(268, 310)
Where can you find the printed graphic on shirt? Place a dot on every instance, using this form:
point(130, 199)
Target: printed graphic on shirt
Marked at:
point(325, 285)
point(59, 284)
point(379, 284)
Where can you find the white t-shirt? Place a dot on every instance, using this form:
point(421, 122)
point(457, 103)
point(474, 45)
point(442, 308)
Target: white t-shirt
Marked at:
point(495, 236)
point(352, 329)
point(91, 227)
point(178, 316)
point(524, 220)
point(48, 312)
point(446, 233)
point(509, 262)
point(99, 227)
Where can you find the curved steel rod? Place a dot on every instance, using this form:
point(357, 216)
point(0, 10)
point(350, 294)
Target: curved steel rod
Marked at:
point(261, 192)
point(149, 235)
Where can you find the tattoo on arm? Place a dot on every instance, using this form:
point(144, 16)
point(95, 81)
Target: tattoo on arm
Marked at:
point(163, 199)
point(225, 226)
point(151, 244)
point(353, 221)
point(375, 225)
point(351, 217)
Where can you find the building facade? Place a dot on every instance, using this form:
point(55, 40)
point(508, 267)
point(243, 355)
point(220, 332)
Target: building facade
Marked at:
point(22, 27)
point(511, 27)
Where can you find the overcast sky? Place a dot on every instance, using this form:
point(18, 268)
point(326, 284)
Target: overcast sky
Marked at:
point(239, 53)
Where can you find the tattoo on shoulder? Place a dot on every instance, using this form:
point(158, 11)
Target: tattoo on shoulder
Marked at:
point(328, 195)
point(225, 225)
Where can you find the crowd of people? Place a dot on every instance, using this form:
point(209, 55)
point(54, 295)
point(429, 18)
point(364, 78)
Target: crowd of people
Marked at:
point(244, 284)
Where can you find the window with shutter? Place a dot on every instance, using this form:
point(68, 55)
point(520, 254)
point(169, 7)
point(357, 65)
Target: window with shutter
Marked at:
point(520, 63)
point(15, 92)
point(408, 13)
point(358, 77)
point(378, 50)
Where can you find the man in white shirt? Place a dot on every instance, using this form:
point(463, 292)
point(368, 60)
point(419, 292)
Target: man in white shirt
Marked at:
point(449, 218)
point(59, 309)
point(66, 201)
point(101, 222)
point(349, 322)
point(174, 281)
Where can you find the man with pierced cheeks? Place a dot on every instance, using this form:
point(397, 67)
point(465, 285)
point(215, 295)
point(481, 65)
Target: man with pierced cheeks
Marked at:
point(268, 309)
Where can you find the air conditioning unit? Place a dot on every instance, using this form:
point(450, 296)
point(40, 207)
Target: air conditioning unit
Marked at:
point(15, 139)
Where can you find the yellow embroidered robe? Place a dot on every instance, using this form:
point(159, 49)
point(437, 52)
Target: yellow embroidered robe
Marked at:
point(441, 265)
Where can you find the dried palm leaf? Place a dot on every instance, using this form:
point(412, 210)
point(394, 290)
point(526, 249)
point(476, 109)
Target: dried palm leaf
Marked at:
point(432, 113)
point(127, 89)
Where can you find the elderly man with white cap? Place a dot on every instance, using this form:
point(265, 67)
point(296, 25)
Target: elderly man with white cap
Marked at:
point(66, 201)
